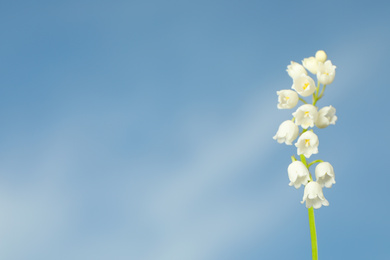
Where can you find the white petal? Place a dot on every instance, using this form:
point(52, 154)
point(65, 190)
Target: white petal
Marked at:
point(325, 203)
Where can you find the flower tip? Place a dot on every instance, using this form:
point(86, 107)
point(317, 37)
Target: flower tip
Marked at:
point(321, 56)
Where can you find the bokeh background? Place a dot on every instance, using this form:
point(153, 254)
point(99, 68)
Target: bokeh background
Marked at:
point(143, 129)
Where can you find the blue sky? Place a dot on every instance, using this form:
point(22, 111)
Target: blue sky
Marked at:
point(143, 130)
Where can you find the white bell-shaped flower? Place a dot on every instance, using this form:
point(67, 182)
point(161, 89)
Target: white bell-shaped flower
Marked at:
point(304, 85)
point(326, 72)
point(314, 196)
point(298, 174)
point(287, 99)
point(325, 174)
point(326, 116)
point(311, 64)
point(306, 115)
point(287, 132)
point(307, 144)
point(295, 69)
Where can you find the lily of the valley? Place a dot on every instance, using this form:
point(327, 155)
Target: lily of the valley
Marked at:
point(306, 115)
point(313, 196)
point(326, 116)
point(304, 85)
point(287, 99)
point(311, 64)
point(307, 144)
point(295, 69)
point(298, 174)
point(326, 72)
point(325, 174)
point(287, 132)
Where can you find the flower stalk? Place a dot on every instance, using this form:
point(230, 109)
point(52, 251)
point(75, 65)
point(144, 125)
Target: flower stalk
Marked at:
point(313, 234)
point(308, 116)
point(314, 162)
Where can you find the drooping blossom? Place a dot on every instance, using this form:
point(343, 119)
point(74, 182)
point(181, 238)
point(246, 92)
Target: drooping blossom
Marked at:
point(326, 72)
point(287, 132)
point(326, 116)
point(304, 85)
point(313, 196)
point(307, 144)
point(305, 116)
point(295, 69)
point(287, 99)
point(311, 64)
point(325, 174)
point(298, 174)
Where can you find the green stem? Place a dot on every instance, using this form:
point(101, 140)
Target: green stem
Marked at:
point(313, 234)
point(318, 89)
point(313, 162)
point(304, 101)
point(312, 223)
point(322, 92)
point(315, 95)
point(303, 159)
point(315, 99)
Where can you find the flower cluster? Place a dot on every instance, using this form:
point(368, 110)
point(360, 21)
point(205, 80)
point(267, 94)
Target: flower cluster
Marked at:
point(307, 116)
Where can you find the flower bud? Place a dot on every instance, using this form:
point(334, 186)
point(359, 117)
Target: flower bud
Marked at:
point(298, 174)
point(321, 56)
point(287, 132)
point(314, 196)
